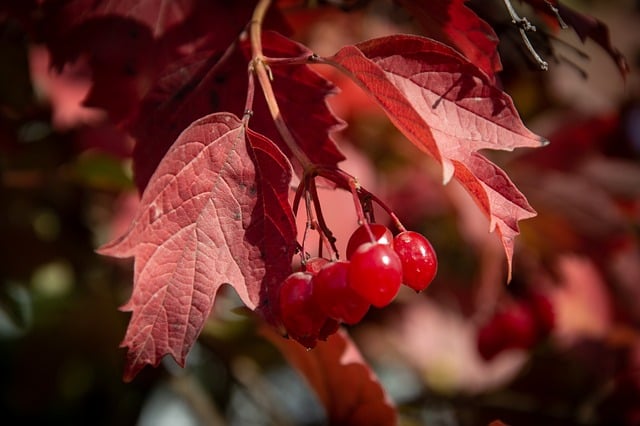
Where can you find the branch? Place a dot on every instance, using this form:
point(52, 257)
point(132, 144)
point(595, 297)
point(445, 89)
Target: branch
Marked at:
point(524, 26)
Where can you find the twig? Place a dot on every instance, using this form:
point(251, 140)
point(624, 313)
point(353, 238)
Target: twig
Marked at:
point(524, 26)
point(260, 68)
point(563, 25)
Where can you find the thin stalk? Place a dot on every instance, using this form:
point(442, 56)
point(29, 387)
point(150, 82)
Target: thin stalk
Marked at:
point(524, 26)
point(378, 201)
point(248, 105)
point(325, 233)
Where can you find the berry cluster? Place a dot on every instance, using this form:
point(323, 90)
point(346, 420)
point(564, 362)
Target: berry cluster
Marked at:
point(315, 301)
point(520, 325)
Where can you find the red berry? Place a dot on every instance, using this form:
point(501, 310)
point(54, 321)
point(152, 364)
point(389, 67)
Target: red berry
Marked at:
point(543, 313)
point(490, 340)
point(314, 265)
point(419, 261)
point(329, 327)
point(300, 316)
point(511, 328)
point(375, 273)
point(335, 297)
point(381, 234)
point(518, 326)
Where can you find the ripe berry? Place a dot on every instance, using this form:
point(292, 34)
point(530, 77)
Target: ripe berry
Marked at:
point(489, 340)
point(329, 327)
point(518, 326)
point(335, 297)
point(314, 265)
point(543, 313)
point(300, 316)
point(419, 261)
point(375, 273)
point(381, 233)
point(511, 328)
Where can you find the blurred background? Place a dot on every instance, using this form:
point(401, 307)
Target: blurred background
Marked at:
point(559, 345)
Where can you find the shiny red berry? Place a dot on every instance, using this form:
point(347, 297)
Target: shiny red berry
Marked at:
point(512, 328)
point(375, 273)
point(518, 326)
point(300, 316)
point(419, 261)
point(381, 234)
point(543, 313)
point(335, 297)
point(314, 265)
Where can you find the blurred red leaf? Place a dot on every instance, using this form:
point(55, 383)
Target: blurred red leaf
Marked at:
point(77, 12)
point(130, 44)
point(123, 57)
point(341, 378)
point(65, 90)
point(582, 303)
point(452, 22)
point(447, 107)
point(212, 81)
point(576, 139)
point(213, 210)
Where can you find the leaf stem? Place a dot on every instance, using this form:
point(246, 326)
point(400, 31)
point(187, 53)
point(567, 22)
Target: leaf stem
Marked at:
point(354, 187)
point(303, 59)
point(248, 106)
point(259, 66)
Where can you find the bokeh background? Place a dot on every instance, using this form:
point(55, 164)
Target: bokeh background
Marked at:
point(66, 187)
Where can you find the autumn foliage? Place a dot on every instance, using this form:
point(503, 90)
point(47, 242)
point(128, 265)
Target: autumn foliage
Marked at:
point(225, 111)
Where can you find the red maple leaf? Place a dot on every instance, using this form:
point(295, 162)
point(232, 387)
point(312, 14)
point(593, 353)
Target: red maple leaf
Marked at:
point(447, 107)
point(215, 212)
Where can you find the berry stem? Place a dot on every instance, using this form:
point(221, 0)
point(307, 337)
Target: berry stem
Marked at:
point(394, 218)
point(361, 195)
point(354, 187)
point(301, 189)
point(325, 233)
point(310, 221)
